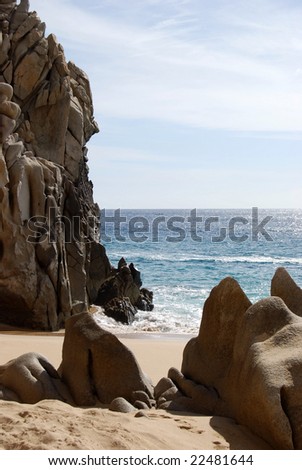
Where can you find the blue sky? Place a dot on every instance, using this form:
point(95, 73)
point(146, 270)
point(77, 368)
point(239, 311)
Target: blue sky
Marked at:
point(199, 101)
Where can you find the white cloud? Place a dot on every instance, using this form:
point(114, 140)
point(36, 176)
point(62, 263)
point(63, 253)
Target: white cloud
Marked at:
point(239, 72)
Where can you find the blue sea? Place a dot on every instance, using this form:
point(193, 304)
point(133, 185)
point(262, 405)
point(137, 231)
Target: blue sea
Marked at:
point(183, 254)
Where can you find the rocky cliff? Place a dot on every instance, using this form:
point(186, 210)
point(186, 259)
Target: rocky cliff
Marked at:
point(51, 261)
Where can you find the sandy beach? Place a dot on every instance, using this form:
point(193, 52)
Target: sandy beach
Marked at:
point(55, 425)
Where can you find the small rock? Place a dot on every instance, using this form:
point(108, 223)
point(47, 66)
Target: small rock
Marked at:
point(121, 405)
point(141, 396)
point(163, 385)
point(141, 414)
point(161, 401)
point(141, 405)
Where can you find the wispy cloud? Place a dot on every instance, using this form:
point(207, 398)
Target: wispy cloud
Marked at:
point(200, 64)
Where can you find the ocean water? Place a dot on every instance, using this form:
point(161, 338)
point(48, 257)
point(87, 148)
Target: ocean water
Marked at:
point(183, 254)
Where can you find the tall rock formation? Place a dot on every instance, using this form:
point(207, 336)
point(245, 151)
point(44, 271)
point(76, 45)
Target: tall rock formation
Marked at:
point(245, 364)
point(51, 262)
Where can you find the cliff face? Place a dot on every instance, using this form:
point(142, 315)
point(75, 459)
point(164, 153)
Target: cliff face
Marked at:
point(51, 261)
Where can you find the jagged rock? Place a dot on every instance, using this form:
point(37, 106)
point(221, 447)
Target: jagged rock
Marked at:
point(51, 263)
point(246, 364)
point(6, 7)
point(145, 300)
point(122, 262)
point(53, 266)
point(98, 269)
point(31, 378)
point(284, 286)
point(121, 310)
point(119, 285)
point(136, 275)
point(121, 294)
point(105, 368)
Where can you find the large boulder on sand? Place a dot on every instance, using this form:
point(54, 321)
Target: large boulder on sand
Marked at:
point(285, 287)
point(207, 357)
point(96, 365)
point(31, 378)
point(246, 363)
point(265, 378)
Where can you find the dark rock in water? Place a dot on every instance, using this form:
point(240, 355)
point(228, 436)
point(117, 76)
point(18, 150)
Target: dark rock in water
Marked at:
point(121, 310)
point(122, 262)
point(145, 300)
point(136, 275)
point(121, 295)
point(284, 286)
point(97, 366)
point(119, 285)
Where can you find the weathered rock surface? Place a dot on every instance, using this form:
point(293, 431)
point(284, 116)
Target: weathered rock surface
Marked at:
point(246, 364)
point(51, 262)
point(31, 378)
point(97, 366)
point(284, 286)
point(121, 294)
point(121, 310)
point(220, 323)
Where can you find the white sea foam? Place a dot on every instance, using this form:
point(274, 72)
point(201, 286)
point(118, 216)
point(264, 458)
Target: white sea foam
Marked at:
point(157, 321)
point(173, 257)
point(238, 259)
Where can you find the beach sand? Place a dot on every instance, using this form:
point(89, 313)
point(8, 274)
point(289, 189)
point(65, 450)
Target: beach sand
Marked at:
point(54, 425)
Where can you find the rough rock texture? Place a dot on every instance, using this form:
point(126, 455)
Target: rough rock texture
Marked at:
point(284, 286)
point(51, 262)
point(220, 323)
point(97, 366)
point(31, 378)
point(121, 294)
point(121, 310)
point(246, 364)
